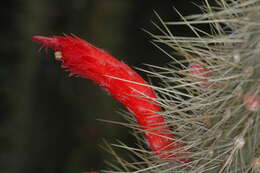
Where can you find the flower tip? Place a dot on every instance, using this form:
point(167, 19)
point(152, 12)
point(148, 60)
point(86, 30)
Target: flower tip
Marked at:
point(45, 41)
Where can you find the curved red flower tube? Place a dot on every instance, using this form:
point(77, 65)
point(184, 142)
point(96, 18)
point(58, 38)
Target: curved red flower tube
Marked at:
point(123, 83)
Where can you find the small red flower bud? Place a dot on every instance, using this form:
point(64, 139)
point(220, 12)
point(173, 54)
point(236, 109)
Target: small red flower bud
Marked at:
point(123, 83)
point(252, 102)
point(200, 73)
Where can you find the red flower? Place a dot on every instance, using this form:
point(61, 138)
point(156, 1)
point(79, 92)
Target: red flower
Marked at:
point(122, 82)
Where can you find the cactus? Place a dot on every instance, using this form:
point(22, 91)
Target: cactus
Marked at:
point(209, 93)
point(210, 96)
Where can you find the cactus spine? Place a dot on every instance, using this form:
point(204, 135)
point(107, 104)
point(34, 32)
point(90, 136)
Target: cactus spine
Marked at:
point(210, 96)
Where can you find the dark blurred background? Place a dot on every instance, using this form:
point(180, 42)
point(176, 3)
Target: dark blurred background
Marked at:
point(48, 120)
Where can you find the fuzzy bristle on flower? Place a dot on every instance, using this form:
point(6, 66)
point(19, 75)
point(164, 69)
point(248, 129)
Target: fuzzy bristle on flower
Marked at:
point(123, 83)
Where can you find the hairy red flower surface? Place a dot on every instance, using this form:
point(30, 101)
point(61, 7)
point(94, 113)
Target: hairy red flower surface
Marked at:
point(123, 83)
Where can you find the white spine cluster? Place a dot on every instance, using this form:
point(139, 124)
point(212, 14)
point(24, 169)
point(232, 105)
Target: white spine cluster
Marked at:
point(211, 95)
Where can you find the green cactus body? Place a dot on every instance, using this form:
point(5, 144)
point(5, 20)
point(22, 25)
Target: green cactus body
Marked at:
point(218, 120)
